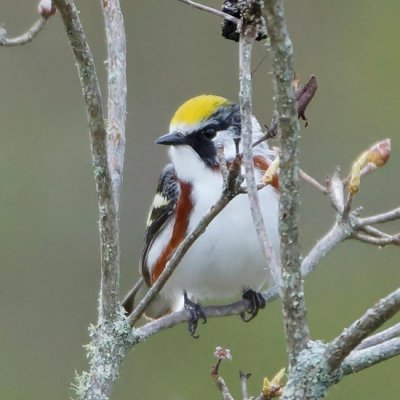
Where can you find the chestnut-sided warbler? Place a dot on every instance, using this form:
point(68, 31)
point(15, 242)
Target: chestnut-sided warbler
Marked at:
point(226, 260)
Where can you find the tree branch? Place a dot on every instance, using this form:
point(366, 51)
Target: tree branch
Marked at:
point(380, 337)
point(377, 241)
point(223, 388)
point(313, 182)
point(110, 337)
point(338, 233)
point(117, 91)
point(115, 148)
point(387, 216)
point(374, 231)
point(362, 359)
point(103, 171)
point(352, 336)
point(26, 37)
point(178, 317)
point(243, 383)
point(294, 309)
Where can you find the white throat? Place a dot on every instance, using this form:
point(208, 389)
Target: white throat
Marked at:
point(189, 166)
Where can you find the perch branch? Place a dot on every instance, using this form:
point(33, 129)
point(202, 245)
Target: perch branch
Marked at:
point(182, 316)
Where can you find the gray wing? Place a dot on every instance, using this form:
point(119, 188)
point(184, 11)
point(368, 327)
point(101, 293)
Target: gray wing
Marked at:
point(161, 212)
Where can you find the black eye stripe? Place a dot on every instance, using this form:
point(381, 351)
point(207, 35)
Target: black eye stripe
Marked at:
point(209, 132)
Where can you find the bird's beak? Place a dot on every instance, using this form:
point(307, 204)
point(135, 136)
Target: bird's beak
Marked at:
point(172, 139)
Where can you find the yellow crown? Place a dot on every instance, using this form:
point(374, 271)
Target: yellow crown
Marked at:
point(197, 109)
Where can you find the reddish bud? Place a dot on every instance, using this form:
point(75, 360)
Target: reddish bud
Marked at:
point(222, 353)
point(379, 152)
point(46, 8)
point(375, 156)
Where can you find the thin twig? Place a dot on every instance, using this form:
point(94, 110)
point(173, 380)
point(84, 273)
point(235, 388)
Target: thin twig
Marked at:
point(387, 216)
point(294, 309)
point(117, 91)
point(109, 345)
point(304, 95)
point(109, 226)
point(374, 231)
point(222, 164)
point(131, 295)
point(377, 241)
point(246, 40)
point(380, 337)
point(211, 10)
point(243, 383)
point(115, 142)
point(313, 182)
point(26, 37)
point(223, 388)
point(337, 234)
point(352, 336)
point(362, 359)
point(336, 192)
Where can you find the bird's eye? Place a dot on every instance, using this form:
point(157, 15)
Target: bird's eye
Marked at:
point(209, 133)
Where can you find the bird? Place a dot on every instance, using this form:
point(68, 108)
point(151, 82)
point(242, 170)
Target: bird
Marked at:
point(226, 261)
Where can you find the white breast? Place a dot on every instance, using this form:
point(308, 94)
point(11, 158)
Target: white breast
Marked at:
point(227, 257)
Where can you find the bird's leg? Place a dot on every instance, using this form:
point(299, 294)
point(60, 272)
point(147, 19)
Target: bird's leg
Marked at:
point(196, 313)
point(257, 302)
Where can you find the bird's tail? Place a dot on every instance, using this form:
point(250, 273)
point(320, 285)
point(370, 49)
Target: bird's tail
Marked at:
point(128, 303)
point(160, 306)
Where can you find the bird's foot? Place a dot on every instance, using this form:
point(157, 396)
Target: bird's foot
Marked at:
point(196, 313)
point(257, 302)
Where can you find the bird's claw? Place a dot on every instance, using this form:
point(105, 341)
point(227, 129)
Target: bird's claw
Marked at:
point(196, 313)
point(257, 302)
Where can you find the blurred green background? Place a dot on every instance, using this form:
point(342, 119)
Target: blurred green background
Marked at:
point(49, 273)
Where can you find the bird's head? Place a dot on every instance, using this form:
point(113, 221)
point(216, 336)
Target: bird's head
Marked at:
point(199, 127)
